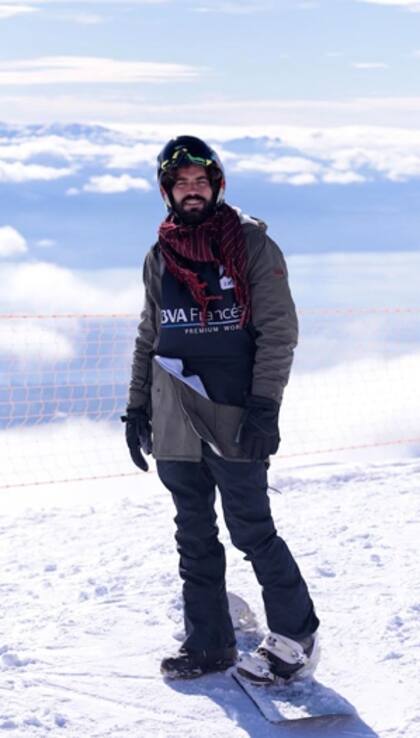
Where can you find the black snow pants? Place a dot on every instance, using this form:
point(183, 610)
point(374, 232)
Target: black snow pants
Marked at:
point(246, 507)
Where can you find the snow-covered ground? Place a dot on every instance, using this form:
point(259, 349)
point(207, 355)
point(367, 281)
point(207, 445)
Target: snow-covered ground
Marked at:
point(91, 601)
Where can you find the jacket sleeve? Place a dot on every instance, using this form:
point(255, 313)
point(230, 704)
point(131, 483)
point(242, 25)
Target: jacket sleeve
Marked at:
point(141, 368)
point(273, 317)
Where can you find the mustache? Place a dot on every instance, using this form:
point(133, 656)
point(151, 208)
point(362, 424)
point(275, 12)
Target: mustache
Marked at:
point(192, 198)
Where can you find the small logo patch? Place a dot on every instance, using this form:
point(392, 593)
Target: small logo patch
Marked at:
point(278, 272)
point(226, 283)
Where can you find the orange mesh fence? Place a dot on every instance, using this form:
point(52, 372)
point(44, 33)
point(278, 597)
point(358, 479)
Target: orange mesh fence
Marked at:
point(64, 379)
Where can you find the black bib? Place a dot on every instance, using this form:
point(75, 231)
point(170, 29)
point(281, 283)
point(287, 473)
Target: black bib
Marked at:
point(220, 352)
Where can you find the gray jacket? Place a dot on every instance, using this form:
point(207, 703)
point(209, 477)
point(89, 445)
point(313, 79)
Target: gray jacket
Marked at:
point(181, 417)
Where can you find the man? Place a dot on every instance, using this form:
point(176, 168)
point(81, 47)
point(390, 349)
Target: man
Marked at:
point(212, 357)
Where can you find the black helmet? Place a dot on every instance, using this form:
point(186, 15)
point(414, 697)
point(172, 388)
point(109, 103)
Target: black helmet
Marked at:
point(185, 151)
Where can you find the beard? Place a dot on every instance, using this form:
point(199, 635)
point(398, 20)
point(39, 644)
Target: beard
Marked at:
point(195, 215)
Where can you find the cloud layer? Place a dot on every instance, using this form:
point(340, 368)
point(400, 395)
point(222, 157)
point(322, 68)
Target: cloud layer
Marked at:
point(108, 184)
point(102, 182)
point(231, 8)
point(336, 156)
point(15, 171)
point(86, 69)
point(124, 157)
point(413, 5)
point(9, 11)
point(12, 242)
point(42, 288)
point(357, 280)
point(93, 2)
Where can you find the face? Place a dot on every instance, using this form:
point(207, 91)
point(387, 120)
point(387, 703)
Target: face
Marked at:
point(192, 194)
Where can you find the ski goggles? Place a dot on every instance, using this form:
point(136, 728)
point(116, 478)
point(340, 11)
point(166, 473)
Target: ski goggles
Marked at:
point(181, 155)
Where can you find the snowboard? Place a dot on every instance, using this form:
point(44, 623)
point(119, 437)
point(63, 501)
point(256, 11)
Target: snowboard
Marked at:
point(304, 700)
point(301, 699)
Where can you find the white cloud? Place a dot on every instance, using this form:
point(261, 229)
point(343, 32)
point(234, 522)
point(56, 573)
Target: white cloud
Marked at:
point(281, 164)
point(45, 344)
point(44, 288)
point(27, 147)
point(341, 154)
point(391, 153)
point(83, 19)
point(358, 386)
point(336, 177)
point(35, 294)
point(346, 280)
point(405, 168)
point(271, 114)
point(12, 243)
point(285, 164)
point(334, 155)
point(413, 5)
point(9, 10)
point(369, 65)
point(132, 113)
point(126, 157)
point(18, 172)
point(108, 184)
point(94, 2)
point(292, 170)
point(46, 243)
point(231, 8)
point(299, 171)
point(37, 288)
point(114, 155)
point(297, 180)
point(308, 5)
point(87, 69)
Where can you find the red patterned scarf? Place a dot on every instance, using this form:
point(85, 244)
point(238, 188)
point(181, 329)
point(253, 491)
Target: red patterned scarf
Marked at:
point(195, 243)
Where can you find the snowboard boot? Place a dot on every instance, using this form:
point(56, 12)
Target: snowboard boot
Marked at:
point(192, 664)
point(279, 658)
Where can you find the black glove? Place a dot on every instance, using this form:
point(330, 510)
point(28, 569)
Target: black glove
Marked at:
point(138, 434)
point(258, 433)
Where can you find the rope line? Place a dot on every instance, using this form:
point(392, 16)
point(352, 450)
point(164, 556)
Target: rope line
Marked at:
point(135, 316)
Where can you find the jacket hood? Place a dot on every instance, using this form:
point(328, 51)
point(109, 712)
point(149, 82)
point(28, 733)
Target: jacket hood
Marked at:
point(249, 219)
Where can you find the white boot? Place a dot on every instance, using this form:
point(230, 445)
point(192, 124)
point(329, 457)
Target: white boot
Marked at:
point(255, 668)
point(280, 658)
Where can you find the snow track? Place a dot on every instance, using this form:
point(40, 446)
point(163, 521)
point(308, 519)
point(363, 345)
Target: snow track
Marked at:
point(90, 603)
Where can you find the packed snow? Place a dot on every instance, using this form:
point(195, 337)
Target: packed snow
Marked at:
point(91, 603)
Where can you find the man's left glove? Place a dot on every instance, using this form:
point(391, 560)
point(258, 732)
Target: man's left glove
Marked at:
point(258, 434)
point(138, 434)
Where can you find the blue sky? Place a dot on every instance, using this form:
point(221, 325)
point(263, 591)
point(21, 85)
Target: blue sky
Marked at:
point(201, 60)
point(313, 106)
